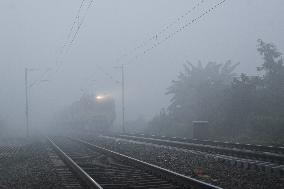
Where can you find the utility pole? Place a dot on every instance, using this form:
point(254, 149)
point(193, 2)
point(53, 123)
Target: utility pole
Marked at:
point(27, 102)
point(122, 96)
point(27, 88)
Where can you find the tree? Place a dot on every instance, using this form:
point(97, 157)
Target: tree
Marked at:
point(273, 79)
point(255, 105)
point(247, 108)
point(198, 92)
point(240, 103)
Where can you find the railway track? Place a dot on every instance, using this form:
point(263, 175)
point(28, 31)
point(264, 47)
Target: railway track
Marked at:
point(261, 148)
point(241, 153)
point(267, 162)
point(66, 176)
point(97, 167)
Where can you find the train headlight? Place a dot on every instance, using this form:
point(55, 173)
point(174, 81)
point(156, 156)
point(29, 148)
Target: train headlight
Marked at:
point(99, 97)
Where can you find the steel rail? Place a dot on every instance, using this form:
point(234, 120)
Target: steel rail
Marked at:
point(273, 149)
point(76, 169)
point(276, 158)
point(180, 179)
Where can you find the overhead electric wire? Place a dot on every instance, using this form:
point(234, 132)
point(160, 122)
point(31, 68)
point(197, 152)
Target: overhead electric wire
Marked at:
point(153, 36)
point(167, 37)
point(81, 22)
point(76, 19)
point(156, 35)
point(155, 45)
point(73, 33)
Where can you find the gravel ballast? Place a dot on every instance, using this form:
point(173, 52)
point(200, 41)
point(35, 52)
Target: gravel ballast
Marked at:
point(191, 163)
point(29, 168)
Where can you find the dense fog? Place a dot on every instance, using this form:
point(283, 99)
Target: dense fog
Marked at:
point(65, 63)
point(167, 94)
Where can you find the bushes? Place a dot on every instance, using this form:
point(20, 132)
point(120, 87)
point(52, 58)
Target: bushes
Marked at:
point(248, 108)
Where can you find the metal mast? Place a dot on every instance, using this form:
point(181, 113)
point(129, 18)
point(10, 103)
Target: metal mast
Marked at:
point(27, 103)
point(123, 98)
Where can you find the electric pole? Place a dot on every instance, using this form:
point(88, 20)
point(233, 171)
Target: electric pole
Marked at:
point(27, 102)
point(122, 96)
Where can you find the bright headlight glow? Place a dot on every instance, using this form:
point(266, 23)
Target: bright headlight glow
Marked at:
point(99, 97)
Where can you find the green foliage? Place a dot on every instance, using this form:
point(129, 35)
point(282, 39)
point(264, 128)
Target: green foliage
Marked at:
point(198, 91)
point(273, 62)
point(245, 107)
point(273, 79)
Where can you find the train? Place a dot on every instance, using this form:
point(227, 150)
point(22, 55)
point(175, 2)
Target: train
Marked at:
point(90, 113)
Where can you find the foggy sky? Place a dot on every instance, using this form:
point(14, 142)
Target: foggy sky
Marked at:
point(33, 31)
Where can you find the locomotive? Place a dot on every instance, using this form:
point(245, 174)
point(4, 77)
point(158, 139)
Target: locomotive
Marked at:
point(91, 112)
